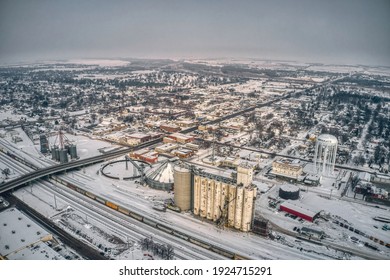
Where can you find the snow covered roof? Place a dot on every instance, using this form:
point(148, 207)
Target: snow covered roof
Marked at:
point(163, 173)
point(18, 232)
point(298, 208)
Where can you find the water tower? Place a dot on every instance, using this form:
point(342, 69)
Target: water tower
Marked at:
point(325, 154)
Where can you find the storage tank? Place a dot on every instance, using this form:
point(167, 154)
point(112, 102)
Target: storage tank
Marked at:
point(248, 206)
point(210, 199)
point(203, 197)
point(196, 195)
point(73, 151)
point(44, 144)
point(53, 153)
point(63, 155)
point(239, 205)
point(232, 205)
point(289, 192)
point(161, 177)
point(182, 180)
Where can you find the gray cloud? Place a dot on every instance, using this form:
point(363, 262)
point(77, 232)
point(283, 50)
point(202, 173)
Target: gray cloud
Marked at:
point(344, 31)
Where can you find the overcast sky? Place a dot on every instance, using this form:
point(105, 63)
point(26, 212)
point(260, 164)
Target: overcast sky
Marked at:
point(329, 31)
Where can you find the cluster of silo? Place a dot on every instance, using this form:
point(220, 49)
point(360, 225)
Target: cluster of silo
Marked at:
point(214, 200)
point(61, 155)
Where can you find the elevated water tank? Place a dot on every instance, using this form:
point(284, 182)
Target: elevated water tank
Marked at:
point(182, 181)
point(325, 154)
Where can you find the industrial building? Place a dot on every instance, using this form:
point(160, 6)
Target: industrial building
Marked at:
point(166, 148)
point(21, 238)
point(287, 168)
point(260, 226)
point(170, 128)
point(145, 155)
point(299, 211)
point(181, 138)
point(137, 138)
point(325, 154)
point(226, 201)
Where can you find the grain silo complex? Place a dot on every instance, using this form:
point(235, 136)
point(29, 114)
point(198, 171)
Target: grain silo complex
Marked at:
point(224, 200)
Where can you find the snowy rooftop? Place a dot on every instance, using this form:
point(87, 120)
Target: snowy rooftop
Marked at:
point(18, 232)
point(299, 208)
point(163, 173)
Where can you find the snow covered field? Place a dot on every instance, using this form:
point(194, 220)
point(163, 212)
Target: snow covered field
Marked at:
point(354, 213)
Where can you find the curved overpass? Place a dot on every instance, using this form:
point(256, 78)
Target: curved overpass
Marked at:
point(67, 166)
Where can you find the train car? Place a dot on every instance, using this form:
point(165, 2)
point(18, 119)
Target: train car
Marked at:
point(101, 200)
point(222, 252)
point(164, 228)
point(71, 186)
point(123, 210)
point(135, 216)
point(238, 257)
point(90, 195)
point(150, 222)
point(80, 190)
point(112, 205)
point(180, 235)
point(199, 243)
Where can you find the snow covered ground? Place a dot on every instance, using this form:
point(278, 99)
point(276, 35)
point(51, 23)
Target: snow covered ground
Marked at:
point(357, 215)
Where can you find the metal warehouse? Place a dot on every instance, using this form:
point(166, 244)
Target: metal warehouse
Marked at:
point(299, 211)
